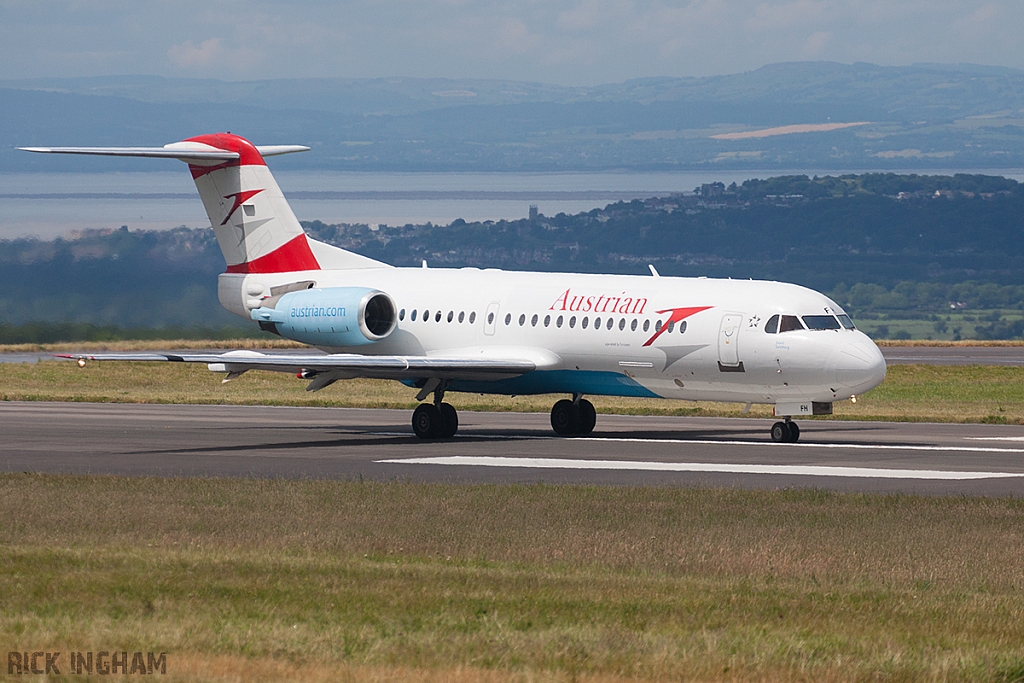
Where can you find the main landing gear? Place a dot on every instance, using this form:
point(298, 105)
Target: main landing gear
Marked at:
point(437, 420)
point(573, 418)
point(785, 432)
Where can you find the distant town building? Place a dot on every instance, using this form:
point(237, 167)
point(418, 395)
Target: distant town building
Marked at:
point(712, 189)
point(533, 213)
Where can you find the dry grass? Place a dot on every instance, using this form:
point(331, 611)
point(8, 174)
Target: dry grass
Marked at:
point(300, 580)
point(910, 392)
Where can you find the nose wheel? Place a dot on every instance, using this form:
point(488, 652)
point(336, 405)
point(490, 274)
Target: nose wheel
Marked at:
point(785, 432)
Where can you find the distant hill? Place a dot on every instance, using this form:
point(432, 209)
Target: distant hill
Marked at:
point(880, 243)
point(922, 116)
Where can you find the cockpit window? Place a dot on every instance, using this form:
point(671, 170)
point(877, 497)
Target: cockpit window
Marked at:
point(789, 323)
point(772, 326)
point(821, 322)
point(846, 321)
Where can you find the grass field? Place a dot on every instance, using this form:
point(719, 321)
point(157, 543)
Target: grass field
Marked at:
point(962, 324)
point(910, 392)
point(254, 580)
point(249, 580)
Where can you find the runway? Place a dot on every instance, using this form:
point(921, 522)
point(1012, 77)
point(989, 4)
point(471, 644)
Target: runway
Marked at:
point(335, 443)
point(954, 355)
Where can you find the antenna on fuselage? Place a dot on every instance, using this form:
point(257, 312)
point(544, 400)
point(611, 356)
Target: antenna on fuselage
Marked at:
point(654, 271)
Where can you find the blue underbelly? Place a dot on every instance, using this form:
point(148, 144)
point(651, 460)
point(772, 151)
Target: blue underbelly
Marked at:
point(593, 382)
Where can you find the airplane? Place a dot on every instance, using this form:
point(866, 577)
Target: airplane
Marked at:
point(490, 331)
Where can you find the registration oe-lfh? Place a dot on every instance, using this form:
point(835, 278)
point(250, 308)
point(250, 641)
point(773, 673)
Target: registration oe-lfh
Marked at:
point(500, 332)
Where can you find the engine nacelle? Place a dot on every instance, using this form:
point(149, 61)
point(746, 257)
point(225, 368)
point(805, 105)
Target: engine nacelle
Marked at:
point(337, 316)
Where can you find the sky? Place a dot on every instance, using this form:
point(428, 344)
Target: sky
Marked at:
point(566, 42)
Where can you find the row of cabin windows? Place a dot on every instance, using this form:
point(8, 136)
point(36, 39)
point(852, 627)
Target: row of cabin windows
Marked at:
point(608, 323)
point(425, 316)
point(789, 323)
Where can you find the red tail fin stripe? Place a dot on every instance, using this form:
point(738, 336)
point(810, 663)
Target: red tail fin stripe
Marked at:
point(248, 155)
point(291, 256)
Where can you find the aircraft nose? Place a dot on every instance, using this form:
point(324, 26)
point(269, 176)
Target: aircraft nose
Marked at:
point(859, 365)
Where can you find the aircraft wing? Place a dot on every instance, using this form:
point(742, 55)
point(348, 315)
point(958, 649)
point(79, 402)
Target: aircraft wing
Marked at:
point(337, 366)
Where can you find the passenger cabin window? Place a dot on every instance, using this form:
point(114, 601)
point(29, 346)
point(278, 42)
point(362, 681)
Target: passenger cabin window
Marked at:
point(682, 327)
point(789, 323)
point(508, 318)
point(772, 326)
point(472, 317)
point(462, 316)
point(846, 321)
point(451, 314)
point(401, 315)
point(821, 322)
point(437, 317)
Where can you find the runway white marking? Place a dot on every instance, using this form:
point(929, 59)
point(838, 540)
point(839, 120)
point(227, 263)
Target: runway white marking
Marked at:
point(995, 438)
point(711, 442)
point(722, 468)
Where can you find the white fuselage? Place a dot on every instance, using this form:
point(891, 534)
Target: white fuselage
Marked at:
point(561, 321)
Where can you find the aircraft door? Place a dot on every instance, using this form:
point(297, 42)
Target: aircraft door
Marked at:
point(728, 338)
point(491, 318)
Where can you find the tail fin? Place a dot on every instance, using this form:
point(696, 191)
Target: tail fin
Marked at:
point(255, 228)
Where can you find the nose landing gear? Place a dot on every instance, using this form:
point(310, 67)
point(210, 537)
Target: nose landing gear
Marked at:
point(573, 418)
point(785, 432)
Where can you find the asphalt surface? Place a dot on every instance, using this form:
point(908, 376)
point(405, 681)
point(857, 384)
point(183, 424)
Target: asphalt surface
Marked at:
point(335, 443)
point(954, 355)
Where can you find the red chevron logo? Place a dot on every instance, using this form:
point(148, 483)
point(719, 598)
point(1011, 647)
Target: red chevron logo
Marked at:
point(678, 314)
point(240, 198)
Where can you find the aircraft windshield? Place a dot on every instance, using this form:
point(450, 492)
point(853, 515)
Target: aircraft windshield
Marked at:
point(790, 323)
point(847, 321)
point(821, 322)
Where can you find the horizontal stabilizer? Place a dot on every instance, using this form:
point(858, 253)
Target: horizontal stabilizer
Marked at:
point(205, 154)
point(185, 151)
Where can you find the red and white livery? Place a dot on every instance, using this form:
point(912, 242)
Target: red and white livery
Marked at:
point(501, 332)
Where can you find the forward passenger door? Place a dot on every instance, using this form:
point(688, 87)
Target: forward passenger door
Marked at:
point(728, 340)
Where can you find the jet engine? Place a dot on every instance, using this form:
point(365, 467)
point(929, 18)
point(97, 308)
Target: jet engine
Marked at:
point(336, 316)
